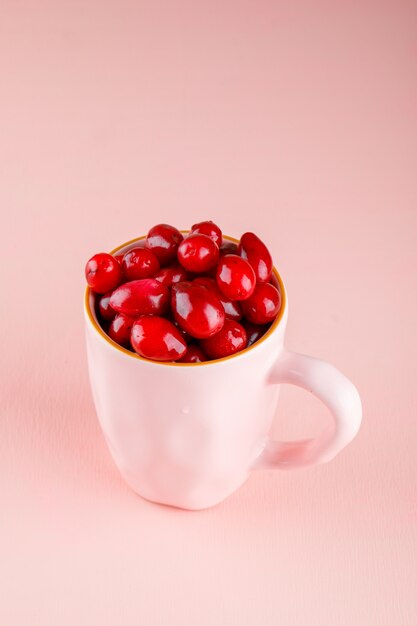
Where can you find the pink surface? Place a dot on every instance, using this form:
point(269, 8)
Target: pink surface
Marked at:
point(297, 120)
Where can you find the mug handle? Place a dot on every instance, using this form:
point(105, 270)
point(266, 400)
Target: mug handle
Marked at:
point(335, 391)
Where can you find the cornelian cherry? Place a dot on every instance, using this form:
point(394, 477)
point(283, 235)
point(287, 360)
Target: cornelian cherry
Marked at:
point(164, 240)
point(263, 305)
point(119, 258)
point(158, 339)
point(257, 254)
point(140, 297)
point(232, 309)
point(210, 229)
point(103, 273)
point(235, 277)
point(229, 340)
point(197, 309)
point(139, 263)
point(106, 312)
point(120, 329)
point(168, 276)
point(194, 354)
point(198, 253)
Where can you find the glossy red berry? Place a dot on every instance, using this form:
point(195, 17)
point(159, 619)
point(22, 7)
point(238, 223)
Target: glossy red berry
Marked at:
point(106, 312)
point(235, 277)
point(194, 354)
point(196, 309)
point(103, 273)
point(139, 263)
point(257, 254)
point(229, 340)
point(232, 309)
point(158, 339)
point(168, 276)
point(254, 331)
point(210, 229)
point(141, 297)
point(198, 253)
point(120, 329)
point(264, 304)
point(119, 258)
point(164, 240)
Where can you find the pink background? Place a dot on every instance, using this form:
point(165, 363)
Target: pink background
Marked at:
point(294, 119)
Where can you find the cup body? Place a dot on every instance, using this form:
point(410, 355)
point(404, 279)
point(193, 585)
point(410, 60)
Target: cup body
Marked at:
point(180, 434)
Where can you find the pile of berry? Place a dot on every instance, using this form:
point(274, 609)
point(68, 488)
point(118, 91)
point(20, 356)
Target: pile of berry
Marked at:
point(186, 298)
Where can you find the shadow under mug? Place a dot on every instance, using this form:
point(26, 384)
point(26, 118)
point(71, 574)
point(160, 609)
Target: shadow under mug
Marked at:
point(188, 435)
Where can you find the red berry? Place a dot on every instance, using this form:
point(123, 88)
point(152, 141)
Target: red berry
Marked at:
point(257, 254)
point(253, 332)
point(168, 276)
point(119, 258)
point(196, 309)
point(157, 338)
point(164, 240)
point(194, 354)
point(106, 312)
point(139, 263)
point(229, 340)
point(103, 273)
point(120, 328)
point(210, 229)
point(263, 305)
point(198, 253)
point(228, 247)
point(235, 277)
point(232, 309)
point(140, 297)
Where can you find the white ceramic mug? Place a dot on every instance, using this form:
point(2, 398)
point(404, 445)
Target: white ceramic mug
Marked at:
point(188, 435)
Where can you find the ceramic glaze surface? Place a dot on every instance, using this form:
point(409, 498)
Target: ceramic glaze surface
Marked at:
point(188, 435)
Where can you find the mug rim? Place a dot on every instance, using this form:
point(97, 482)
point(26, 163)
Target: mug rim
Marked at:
point(92, 318)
